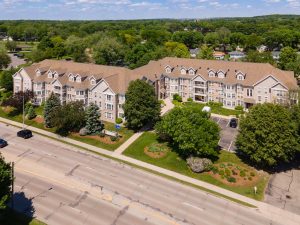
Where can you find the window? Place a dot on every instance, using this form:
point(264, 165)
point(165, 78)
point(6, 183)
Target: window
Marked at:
point(259, 98)
point(56, 75)
point(109, 98)
point(191, 72)
point(108, 115)
point(211, 74)
point(240, 77)
point(95, 94)
point(233, 95)
point(71, 78)
point(78, 79)
point(93, 82)
point(266, 99)
point(109, 106)
point(50, 75)
point(168, 70)
point(221, 75)
point(183, 71)
point(120, 106)
point(228, 87)
point(249, 92)
point(121, 115)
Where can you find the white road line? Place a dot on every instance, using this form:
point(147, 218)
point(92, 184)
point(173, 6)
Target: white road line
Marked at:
point(193, 206)
point(228, 123)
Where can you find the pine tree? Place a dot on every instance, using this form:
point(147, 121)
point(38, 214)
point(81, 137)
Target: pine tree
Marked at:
point(50, 105)
point(92, 117)
point(31, 113)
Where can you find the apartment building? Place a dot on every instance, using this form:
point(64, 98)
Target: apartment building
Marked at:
point(231, 83)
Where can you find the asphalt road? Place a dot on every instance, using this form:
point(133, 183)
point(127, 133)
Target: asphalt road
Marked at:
point(60, 184)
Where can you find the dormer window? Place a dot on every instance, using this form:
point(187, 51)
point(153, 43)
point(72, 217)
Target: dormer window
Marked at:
point(38, 73)
point(93, 81)
point(55, 75)
point(240, 77)
point(50, 74)
point(221, 74)
point(183, 71)
point(211, 74)
point(191, 72)
point(168, 69)
point(78, 79)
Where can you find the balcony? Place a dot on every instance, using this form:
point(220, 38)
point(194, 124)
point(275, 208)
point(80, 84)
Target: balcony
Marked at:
point(199, 84)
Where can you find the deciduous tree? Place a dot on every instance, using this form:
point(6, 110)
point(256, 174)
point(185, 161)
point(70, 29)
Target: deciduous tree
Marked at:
point(5, 182)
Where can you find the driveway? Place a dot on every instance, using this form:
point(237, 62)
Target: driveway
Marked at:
point(15, 61)
point(228, 134)
point(283, 190)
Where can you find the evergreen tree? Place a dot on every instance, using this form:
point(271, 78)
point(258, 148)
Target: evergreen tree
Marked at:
point(5, 178)
point(51, 104)
point(92, 117)
point(141, 106)
point(31, 113)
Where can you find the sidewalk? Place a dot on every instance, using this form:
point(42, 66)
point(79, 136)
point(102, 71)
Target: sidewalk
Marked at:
point(125, 145)
point(269, 211)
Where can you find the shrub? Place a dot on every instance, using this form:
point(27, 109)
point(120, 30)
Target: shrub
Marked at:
point(198, 165)
point(177, 97)
point(231, 179)
point(190, 99)
point(227, 172)
point(215, 104)
point(214, 169)
point(83, 131)
point(31, 113)
point(119, 120)
point(102, 135)
point(222, 165)
point(239, 108)
point(221, 172)
point(252, 174)
point(113, 138)
point(242, 173)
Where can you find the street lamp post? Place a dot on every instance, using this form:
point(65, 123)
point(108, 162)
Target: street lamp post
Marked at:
point(23, 112)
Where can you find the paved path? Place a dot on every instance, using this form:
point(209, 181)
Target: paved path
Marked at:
point(269, 211)
point(169, 105)
point(125, 145)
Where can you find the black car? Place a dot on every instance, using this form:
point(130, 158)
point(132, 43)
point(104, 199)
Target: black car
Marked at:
point(24, 134)
point(3, 143)
point(233, 122)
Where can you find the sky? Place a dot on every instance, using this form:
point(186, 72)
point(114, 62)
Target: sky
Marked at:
point(143, 9)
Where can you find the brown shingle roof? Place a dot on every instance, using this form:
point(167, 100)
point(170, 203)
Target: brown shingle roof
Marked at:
point(118, 78)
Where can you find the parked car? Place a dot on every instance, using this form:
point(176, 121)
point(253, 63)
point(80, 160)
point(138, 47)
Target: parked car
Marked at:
point(24, 134)
point(3, 143)
point(233, 122)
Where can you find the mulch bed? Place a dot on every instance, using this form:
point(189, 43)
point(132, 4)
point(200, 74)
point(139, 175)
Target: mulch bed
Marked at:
point(105, 139)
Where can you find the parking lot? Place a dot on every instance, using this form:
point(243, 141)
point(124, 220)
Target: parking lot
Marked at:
point(228, 134)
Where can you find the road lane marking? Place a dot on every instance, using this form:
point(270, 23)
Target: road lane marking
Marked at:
point(193, 206)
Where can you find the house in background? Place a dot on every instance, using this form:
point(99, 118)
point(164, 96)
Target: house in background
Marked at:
point(276, 55)
point(194, 52)
point(262, 48)
point(219, 55)
point(235, 55)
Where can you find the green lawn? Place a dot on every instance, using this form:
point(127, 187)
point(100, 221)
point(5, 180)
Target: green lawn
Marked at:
point(15, 218)
point(124, 132)
point(173, 162)
point(214, 108)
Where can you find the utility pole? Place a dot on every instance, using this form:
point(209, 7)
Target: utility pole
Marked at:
point(23, 111)
point(12, 185)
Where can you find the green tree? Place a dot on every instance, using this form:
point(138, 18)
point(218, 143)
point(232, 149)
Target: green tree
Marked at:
point(68, 118)
point(5, 182)
point(206, 53)
point(191, 131)
point(294, 66)
point(253, 41)
point(31, 113)
point(76, 47)
point(51, 104)
point(92, 118)
point(108, 51)
point(257, 57)
point(287, 56)
point(11, 45)
point(192, 39)
point(267, 135)
point(6, 79)
point(212, 39)
point(177, 49)
point(224, 35)
point(141, 106)
point(4, 60)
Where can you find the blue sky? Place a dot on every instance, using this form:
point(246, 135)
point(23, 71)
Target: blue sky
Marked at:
point(134, 9)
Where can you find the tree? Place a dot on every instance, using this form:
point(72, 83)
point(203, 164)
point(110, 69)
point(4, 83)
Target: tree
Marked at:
point(141, 106)
point(212, 39)
point(287, 56)
point(192, 39)
point(11, 45)
point(190, 130)
point(6, 79)
point(31, 113)
point(16, 100)
point(51, 104)
point(5, 182)
point(223, 34)
point(267, 135)
point(76, 47)
point(176, 49)
point(92, 117)
point(4, 60)
point(68, 118)
point(253, 41)
point(206, 53)
point(257, 57)
point(294, 66)
point(109, 51)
